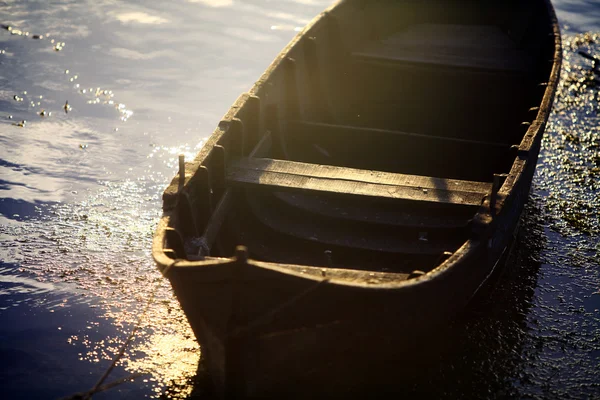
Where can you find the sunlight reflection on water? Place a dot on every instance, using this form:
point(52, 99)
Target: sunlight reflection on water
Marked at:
point(129, 87)
point(81, 190)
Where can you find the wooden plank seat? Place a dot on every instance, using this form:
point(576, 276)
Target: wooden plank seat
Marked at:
point(483, 47)
point(299, 176)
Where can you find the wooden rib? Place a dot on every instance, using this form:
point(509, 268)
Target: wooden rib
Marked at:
point(318, 106)
point(237, 135)
point(218, 162)
point(175, 242)
point(336, 43)
point(217, 218)
point(185, 215)
point(200, 213)
point(252, 122)
point(272, 126)
point(292, 104)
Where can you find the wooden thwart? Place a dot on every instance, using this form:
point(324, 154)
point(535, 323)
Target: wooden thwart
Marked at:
point(472, 46)
point(292, 175)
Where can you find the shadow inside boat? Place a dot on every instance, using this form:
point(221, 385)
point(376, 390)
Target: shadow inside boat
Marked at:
point(478, 355)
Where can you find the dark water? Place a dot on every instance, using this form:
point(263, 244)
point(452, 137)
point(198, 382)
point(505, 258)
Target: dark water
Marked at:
point(80, 195)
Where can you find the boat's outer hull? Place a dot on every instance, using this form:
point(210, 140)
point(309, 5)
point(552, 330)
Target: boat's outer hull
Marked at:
point(310, 335)
point(272, 333)
point(266, 329)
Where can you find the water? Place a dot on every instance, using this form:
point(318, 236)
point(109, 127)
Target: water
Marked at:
point(144, 82)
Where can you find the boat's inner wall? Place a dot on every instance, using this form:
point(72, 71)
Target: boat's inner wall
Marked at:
point(488, 105)
point(274, 232)
point(306, 99)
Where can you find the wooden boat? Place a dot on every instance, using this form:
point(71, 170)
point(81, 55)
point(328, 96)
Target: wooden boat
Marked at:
point(361, 192)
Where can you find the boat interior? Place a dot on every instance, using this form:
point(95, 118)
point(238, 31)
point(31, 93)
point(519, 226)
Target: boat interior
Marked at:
point(372, 140)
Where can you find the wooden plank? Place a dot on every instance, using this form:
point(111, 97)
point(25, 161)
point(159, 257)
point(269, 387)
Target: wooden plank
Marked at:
point(471, 46)
point(339, 235)
point(213, 226)
point(335, 173)
point(374, 213)
point(332, 129)
point(291, 175)
point(476, 37)
point(471, 159)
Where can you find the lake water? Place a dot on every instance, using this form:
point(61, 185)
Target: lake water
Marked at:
point(97, 99)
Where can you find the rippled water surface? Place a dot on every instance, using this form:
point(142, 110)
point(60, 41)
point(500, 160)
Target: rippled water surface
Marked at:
point(97, 99)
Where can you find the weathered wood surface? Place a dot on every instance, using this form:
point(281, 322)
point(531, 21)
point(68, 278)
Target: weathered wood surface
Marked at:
point(445, 84)
point(306, 130)
point(373, 238)
point(472, 46)
point(217, 217)
point(322, 206)
point(291, 175)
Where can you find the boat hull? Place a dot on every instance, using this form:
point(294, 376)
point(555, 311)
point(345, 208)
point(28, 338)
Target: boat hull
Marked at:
point(327, 328)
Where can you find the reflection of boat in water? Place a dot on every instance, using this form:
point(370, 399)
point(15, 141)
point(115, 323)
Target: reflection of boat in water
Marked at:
point(375, 174)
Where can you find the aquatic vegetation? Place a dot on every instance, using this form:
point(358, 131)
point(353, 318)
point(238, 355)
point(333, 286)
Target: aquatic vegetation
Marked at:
point(105, 255)
point(536, 336)
point(564, 321)
point(569, 165)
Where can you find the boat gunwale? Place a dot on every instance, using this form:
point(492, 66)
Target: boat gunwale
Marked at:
point(166, 264)
point(484, 220)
